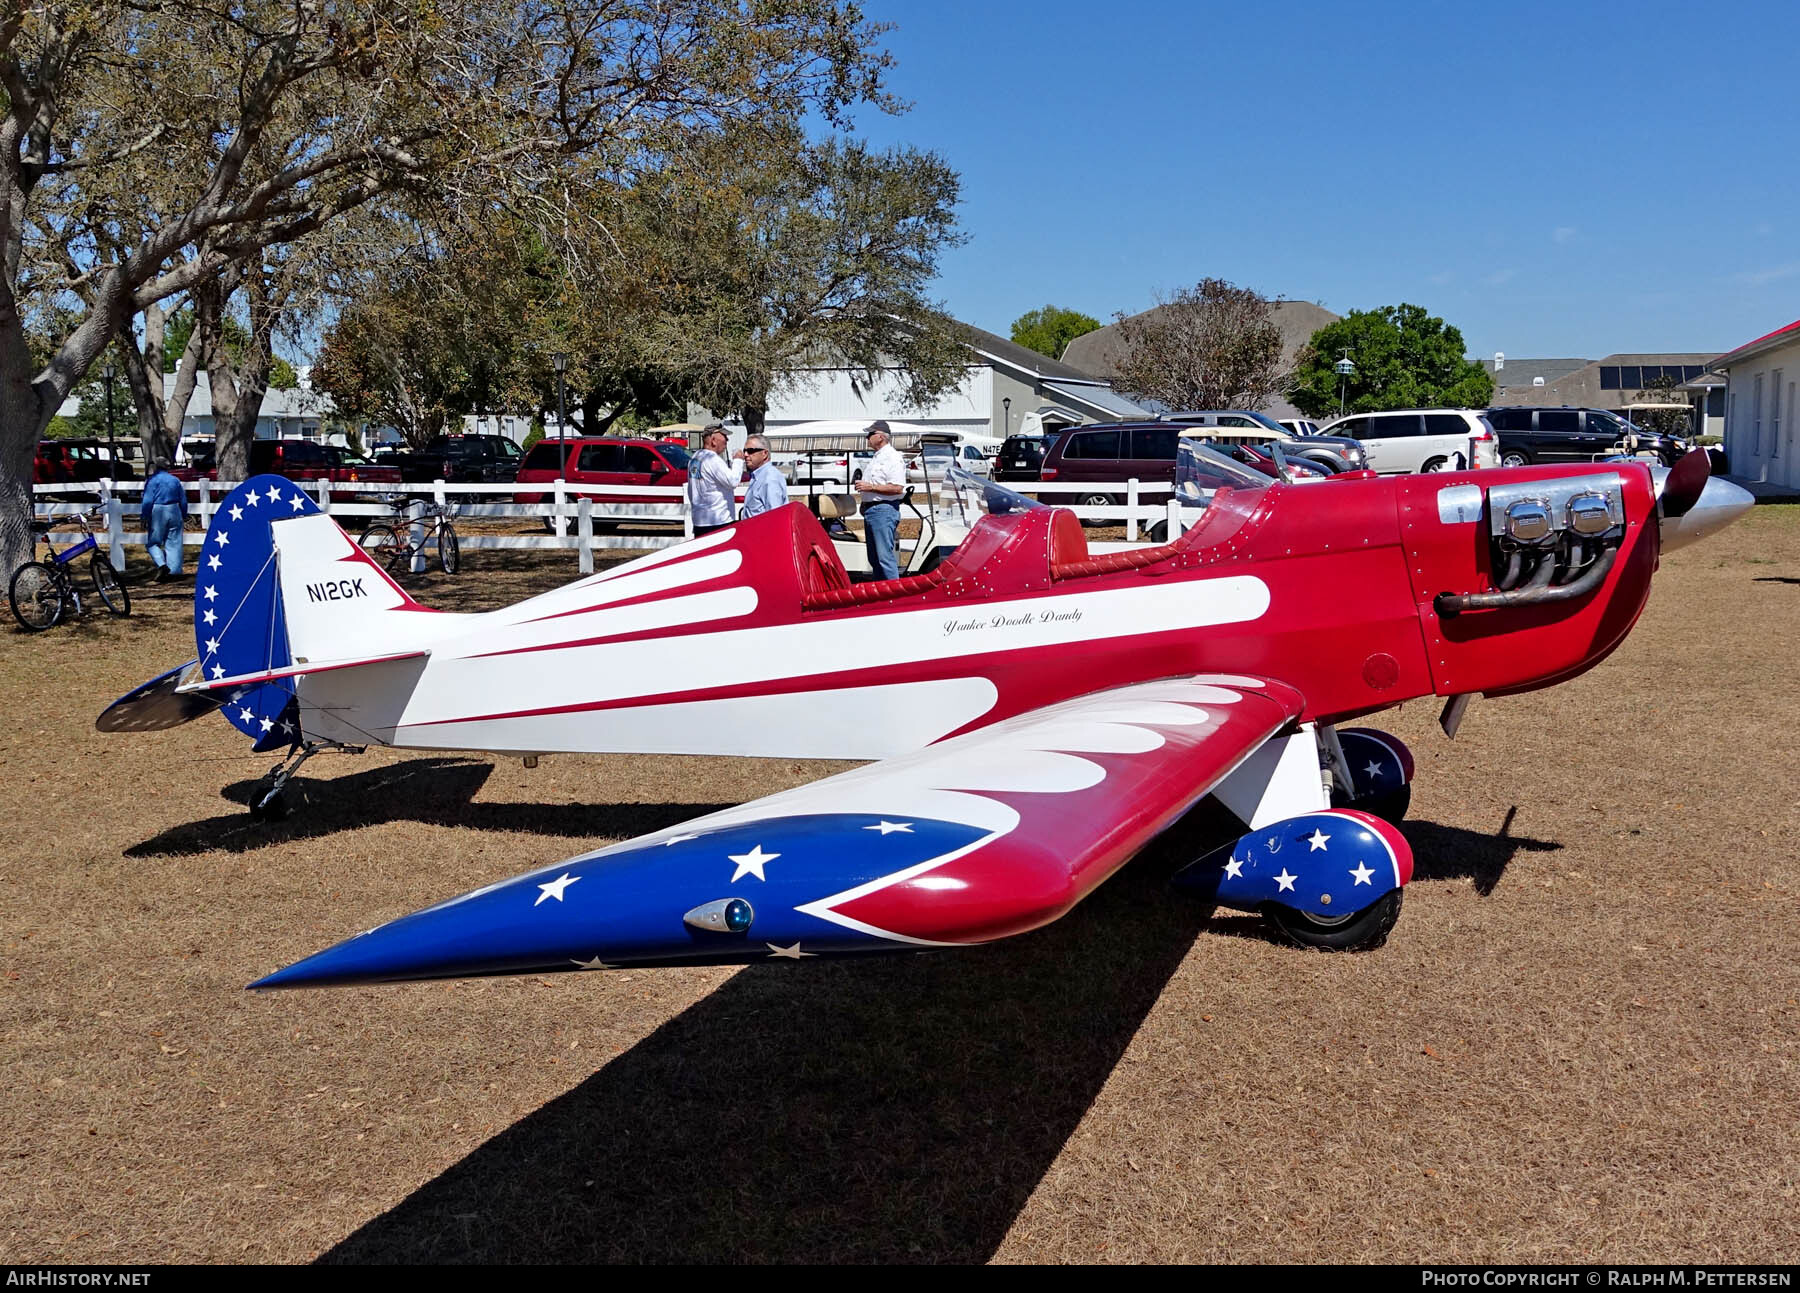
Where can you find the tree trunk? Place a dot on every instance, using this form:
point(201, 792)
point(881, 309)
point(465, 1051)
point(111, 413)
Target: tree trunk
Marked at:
point(238, 386)
point(753, 418)
point(144, 371)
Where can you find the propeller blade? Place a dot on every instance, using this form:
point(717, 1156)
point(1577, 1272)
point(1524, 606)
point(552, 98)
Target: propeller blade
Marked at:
point(1686, 480)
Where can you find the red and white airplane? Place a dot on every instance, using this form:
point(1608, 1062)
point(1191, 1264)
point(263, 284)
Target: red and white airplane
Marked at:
point(1035, 713)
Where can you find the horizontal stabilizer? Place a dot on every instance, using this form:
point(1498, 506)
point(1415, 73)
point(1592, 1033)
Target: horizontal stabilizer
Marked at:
point(299, 668)
point(163, 702)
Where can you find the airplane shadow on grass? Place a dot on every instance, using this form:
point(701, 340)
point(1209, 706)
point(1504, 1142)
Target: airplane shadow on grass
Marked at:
point(895, 1109)
point(432, 791)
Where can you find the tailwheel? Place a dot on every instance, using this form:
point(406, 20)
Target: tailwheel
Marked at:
point(1355, 932)
point(269, 803)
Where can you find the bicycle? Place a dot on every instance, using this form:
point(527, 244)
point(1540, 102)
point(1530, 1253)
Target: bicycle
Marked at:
point(384, 544)
point(41, 592)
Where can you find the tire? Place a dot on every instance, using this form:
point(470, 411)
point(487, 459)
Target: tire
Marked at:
point(106, 582)
point(1158, 533)
point(276, 810)
point(37, 595)
point(449, 550)
point(1357, 932)
point(1513, 458)
point(1434, 465)
point(1389, 805)
point(384, 548)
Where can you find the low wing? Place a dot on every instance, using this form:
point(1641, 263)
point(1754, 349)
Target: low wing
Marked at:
point(973, 839)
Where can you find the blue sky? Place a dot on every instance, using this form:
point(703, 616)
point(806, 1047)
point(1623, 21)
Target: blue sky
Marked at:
point(1554, 179)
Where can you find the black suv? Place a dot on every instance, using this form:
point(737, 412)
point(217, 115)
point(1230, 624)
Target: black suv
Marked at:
point(1022, 456)
point(1530, 434)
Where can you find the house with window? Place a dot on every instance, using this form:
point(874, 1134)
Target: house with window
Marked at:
point(1760, 377)
point(1002, 384)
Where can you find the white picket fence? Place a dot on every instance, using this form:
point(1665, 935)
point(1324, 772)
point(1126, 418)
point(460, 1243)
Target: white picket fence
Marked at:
point(575, 522)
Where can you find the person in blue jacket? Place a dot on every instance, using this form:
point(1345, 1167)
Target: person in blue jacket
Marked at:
point(164, 515)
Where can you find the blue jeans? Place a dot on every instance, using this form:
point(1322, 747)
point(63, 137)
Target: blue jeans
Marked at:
point(881, 527)
point(165, 536)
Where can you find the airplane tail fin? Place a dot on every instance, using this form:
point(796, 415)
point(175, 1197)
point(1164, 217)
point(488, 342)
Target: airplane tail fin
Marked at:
point(282, 590)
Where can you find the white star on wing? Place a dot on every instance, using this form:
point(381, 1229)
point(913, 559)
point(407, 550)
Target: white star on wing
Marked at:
point(298, 501)
point(213, 561)
point(222, 538)
point(1317, 840)
point(595, 964)
point(245, 714)
point(250, 498)
point(1234, 869)
point(1374, 770)
point(212, 594)
point(209, 617)
point(1363, 874)
point(212, 644)
point(752, 863)
point(273, 496)
point(790, 953)
point(1284, 881)
point(888, 828)
point(265, 723)
point(555, 888)
point(237, 513)
point(287, 728)
point(218, 671)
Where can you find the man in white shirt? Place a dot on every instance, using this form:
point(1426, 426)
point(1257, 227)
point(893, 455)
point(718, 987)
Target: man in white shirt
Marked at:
point(712, 482)
point(882, 484)
point(768, 487)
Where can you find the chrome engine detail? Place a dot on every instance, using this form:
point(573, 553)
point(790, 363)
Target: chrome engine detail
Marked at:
point(1552, 541)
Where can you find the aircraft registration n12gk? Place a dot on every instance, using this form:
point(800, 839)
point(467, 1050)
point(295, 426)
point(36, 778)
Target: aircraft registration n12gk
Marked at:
point(1035, 713)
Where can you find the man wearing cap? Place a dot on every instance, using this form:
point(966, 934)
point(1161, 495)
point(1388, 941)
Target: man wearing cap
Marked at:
point(883, 482)
point(712, 482)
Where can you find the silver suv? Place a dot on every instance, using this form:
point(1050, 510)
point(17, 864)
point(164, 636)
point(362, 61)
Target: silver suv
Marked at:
point(1409, 440)
point(1333, 453)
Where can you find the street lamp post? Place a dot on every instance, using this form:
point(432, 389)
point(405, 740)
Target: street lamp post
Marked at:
point(562, 401)
point(1343, 368)
point(1006, 405)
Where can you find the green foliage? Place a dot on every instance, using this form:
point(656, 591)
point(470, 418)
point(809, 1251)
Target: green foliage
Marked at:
point(534, 435)
point(282, 376)
point(1050, 330)
point(1404, 357)
point(180, 327)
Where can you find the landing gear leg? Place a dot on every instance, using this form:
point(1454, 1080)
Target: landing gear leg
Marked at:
point(268, 802)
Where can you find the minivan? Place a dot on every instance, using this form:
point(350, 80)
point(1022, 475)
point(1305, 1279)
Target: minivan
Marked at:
point(1409, 440)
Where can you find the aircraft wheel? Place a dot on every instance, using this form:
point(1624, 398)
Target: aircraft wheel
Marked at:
point(1359, 931)
point(1158, 533)
point(1390, 805)
point(275, 810)
point(1514, 459)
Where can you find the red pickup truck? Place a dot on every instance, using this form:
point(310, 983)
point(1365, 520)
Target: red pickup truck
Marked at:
point(307, 461)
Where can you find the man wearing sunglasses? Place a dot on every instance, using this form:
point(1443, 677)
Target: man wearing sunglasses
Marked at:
point(768, 487)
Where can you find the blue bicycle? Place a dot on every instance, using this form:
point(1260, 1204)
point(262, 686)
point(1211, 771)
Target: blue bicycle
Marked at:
point(42, 592)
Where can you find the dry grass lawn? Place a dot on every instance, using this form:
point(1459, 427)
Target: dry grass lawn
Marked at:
point(1581, 1043)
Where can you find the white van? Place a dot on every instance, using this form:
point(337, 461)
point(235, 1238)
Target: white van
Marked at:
point(1408, 440)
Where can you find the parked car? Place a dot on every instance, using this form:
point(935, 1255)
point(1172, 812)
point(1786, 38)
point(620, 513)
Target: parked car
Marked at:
point(308, 461)
point(1409, 440)
point(1566, 434)
point(1300, 426)
point(1333, 453)
point(1022, 456)
point(1111, 452)
point(592, 463)
point(822, 467)
point(466, 458)
point(940, 455)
